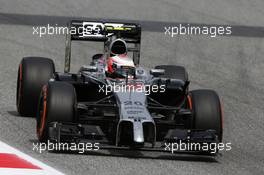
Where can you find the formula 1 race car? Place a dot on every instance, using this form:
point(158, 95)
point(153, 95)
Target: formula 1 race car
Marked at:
point(114, 101)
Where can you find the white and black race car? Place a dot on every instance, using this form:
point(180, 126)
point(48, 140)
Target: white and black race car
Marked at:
point(114, 101)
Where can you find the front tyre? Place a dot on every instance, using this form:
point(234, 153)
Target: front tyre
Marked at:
point(207, 111)
point(57, 103)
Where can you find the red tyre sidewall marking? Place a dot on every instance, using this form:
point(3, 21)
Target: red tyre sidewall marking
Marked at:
point(190, 102)
point(43, 116)
point(222, 117)
point(20, 87)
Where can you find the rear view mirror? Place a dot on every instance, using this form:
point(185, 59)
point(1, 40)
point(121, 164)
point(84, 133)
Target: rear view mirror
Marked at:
point(157, 72)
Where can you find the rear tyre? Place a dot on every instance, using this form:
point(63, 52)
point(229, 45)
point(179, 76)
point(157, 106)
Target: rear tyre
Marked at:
point(33, 73)
point(207, 111)
point(174, 72)
point(57, 103)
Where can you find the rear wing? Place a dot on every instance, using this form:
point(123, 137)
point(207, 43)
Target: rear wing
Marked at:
point(101, 32)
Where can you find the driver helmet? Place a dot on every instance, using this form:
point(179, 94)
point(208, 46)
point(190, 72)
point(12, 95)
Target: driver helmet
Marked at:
point(119, 64)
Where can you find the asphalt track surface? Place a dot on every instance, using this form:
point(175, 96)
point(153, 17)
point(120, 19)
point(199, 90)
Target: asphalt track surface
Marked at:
point(232, 65)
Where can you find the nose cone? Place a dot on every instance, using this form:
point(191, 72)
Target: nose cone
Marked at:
point(118, 47)
point(138, 133)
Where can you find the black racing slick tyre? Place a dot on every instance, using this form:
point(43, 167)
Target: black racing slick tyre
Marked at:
point(33, 73)
point(207, 111)
point(174, 72)
point(57, 103)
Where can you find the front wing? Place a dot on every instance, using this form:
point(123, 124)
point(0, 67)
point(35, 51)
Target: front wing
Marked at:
point(193, 141)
